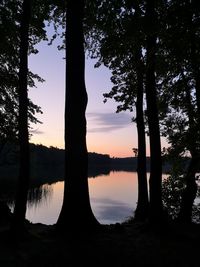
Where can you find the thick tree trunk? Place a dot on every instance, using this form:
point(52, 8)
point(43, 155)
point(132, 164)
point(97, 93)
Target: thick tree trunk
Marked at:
point(76, 213)
point(153, 121)
point(24, 171)
point(142, 209)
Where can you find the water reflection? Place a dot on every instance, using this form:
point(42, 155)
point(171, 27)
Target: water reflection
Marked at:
point(47, 210)
point(36, 196)
point(113, 199)
point(40, 194)
point(111, 211)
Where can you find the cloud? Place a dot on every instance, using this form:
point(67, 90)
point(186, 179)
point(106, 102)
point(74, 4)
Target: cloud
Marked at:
point(107, 122)
point(36, 131)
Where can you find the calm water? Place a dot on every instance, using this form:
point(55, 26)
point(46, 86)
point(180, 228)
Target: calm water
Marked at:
point(113, 199)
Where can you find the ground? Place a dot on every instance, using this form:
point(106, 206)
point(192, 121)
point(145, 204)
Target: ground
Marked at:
point(128, 244)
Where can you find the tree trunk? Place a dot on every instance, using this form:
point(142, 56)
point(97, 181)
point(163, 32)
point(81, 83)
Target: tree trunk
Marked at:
point(24, 169)
point(153, 121)
point(142, 209)
point(189, 194)
point(190, 191)
point(76, 213)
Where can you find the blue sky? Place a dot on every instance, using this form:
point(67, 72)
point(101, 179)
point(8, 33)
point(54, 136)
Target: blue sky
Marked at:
point(107, 132)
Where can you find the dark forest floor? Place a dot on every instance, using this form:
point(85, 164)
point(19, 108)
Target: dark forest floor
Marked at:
point(129, 244)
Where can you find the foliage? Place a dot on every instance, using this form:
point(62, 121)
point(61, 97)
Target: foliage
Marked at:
point(172, 189)
point(9, 59)
point(115, 30)
point(179, 94)
point(196, 207)
point(112, 36)
point(179, 108)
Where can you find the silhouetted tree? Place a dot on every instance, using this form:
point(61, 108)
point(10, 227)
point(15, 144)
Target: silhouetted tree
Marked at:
point(179, 92)
point(152, 114)
point(115, 36)
point(142, 210)
point(76, 213)
point(24, 170)
point(189, 194)
point(30, 30)
point(9, 66)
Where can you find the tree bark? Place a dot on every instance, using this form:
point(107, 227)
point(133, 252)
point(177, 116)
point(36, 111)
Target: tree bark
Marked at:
point(76, 213)
point(24, 168)
point(153, 120)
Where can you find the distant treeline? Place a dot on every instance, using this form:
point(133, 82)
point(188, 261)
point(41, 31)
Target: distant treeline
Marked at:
point(43, 155)
point(47, 163)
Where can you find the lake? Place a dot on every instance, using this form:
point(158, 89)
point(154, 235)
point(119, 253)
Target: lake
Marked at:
point(113, 199)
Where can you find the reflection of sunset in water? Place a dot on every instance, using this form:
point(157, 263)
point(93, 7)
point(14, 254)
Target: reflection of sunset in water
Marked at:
point(114, 184)
point(114, 196)
point(113, 199)
point(48, 210)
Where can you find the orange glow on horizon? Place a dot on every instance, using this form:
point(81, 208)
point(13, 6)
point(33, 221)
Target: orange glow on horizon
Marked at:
point(112, 150)
point(115, 144)
point(116, 152)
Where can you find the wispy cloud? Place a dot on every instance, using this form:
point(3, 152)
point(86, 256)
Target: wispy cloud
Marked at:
point(107, 122)
point(36, 131)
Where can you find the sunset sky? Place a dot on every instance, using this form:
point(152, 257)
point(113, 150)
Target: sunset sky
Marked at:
point(107, 132)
